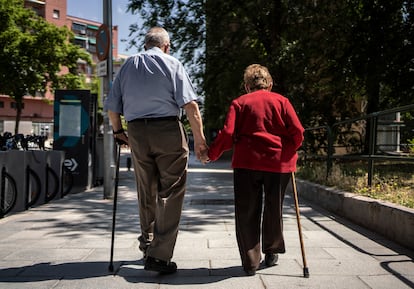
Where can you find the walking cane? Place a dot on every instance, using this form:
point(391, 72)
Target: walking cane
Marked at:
point(111, 263)
point(302, 247)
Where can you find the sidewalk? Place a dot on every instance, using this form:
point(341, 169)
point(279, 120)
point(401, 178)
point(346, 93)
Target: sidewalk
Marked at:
point(66, 244)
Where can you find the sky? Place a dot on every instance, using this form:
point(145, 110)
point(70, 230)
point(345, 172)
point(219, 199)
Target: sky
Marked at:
point(92, 10)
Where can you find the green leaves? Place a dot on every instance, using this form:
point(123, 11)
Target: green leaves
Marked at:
point(185, 22)
point(327, 57)
point(33, 53)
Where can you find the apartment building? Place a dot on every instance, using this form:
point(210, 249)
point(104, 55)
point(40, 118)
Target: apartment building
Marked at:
point(37, 113)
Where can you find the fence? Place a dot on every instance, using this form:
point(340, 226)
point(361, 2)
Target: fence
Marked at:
point(382, 136)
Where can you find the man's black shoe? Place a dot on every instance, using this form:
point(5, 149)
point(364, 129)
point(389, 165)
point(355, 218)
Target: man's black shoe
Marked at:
point(163, 267)
point(250, 272)
point(271, 259)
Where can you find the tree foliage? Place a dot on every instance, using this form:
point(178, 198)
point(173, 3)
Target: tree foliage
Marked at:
point(33, 54)
point(184, 20)
point(332, 59)
point(383, 51)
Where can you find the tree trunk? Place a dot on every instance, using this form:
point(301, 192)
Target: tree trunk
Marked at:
point(19, 106)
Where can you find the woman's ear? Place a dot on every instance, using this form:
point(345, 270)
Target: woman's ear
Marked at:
point(247, 88)
point(270, 86)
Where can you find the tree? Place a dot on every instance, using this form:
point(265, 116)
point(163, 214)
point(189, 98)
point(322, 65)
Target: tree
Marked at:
point(327, 57)
point(314, 60)
point(383, 54)
point(184, 20)
point(33, 55)
point(238, 34)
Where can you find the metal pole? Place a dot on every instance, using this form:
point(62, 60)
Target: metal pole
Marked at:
point(109, 158)
point(397, 132)
point(372, 144)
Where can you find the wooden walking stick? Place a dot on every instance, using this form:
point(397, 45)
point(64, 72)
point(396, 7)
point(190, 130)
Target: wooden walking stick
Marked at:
point(302, 247)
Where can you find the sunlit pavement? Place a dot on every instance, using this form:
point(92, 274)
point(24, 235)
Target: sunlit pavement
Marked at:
point(66, 244)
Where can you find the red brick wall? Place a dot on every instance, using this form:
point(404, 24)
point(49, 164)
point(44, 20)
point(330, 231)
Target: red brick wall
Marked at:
point(61, 7)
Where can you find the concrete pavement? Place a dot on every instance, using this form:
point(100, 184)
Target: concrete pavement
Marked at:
point(66, 244)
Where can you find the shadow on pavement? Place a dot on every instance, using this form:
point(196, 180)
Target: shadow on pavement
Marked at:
point(132, 272)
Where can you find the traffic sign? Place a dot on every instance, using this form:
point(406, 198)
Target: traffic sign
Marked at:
point(103, 42)
point(102, 68)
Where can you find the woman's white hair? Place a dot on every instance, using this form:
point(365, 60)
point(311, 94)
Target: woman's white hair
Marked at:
point(257, 77)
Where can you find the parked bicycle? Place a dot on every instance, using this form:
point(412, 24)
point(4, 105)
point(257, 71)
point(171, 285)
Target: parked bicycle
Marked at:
point(8, 141)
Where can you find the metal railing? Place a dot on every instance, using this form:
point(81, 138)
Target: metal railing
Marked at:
point(373, 137)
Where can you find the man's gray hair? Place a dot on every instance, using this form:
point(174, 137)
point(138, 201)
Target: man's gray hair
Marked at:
point(156, 36)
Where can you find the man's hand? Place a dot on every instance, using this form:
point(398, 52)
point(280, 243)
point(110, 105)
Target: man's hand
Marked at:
point(119, 134)
point(204, 159)
point(121, 139)
point(194, 117)
point(201, 151)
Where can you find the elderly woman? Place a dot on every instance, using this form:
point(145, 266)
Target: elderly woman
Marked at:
point(264, 132)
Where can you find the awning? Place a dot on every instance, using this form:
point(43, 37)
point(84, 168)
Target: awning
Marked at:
point(81, 38)
point(79, 23)
point(94, 27)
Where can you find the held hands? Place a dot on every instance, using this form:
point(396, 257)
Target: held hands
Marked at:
point(201, 151)
point(204, 157)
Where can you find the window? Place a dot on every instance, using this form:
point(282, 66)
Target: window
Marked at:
point(56, 14)
point(1, 104)
point(14, 105)
point(92, 48)
point(92, 45)
point(79, 28)
point(80, 42)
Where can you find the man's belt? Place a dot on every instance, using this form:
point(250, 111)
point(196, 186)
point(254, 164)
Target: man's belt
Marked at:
point(154, 119)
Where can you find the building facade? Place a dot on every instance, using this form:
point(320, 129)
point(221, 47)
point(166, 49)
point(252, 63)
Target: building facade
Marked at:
point(37, 113)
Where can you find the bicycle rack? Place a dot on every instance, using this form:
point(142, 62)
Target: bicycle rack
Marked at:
point(67, 181)
point(7, 181)
point(51, 174)
point(32, 196)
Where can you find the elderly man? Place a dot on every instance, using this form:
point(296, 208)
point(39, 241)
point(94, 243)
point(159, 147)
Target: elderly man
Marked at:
point(149, 91)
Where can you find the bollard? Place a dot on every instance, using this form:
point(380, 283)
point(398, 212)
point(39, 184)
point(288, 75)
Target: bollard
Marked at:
point(129, 163)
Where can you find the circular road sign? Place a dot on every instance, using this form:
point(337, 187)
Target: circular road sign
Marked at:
point(103, 42)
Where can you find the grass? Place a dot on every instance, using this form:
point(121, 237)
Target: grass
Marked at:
point(392, 182)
